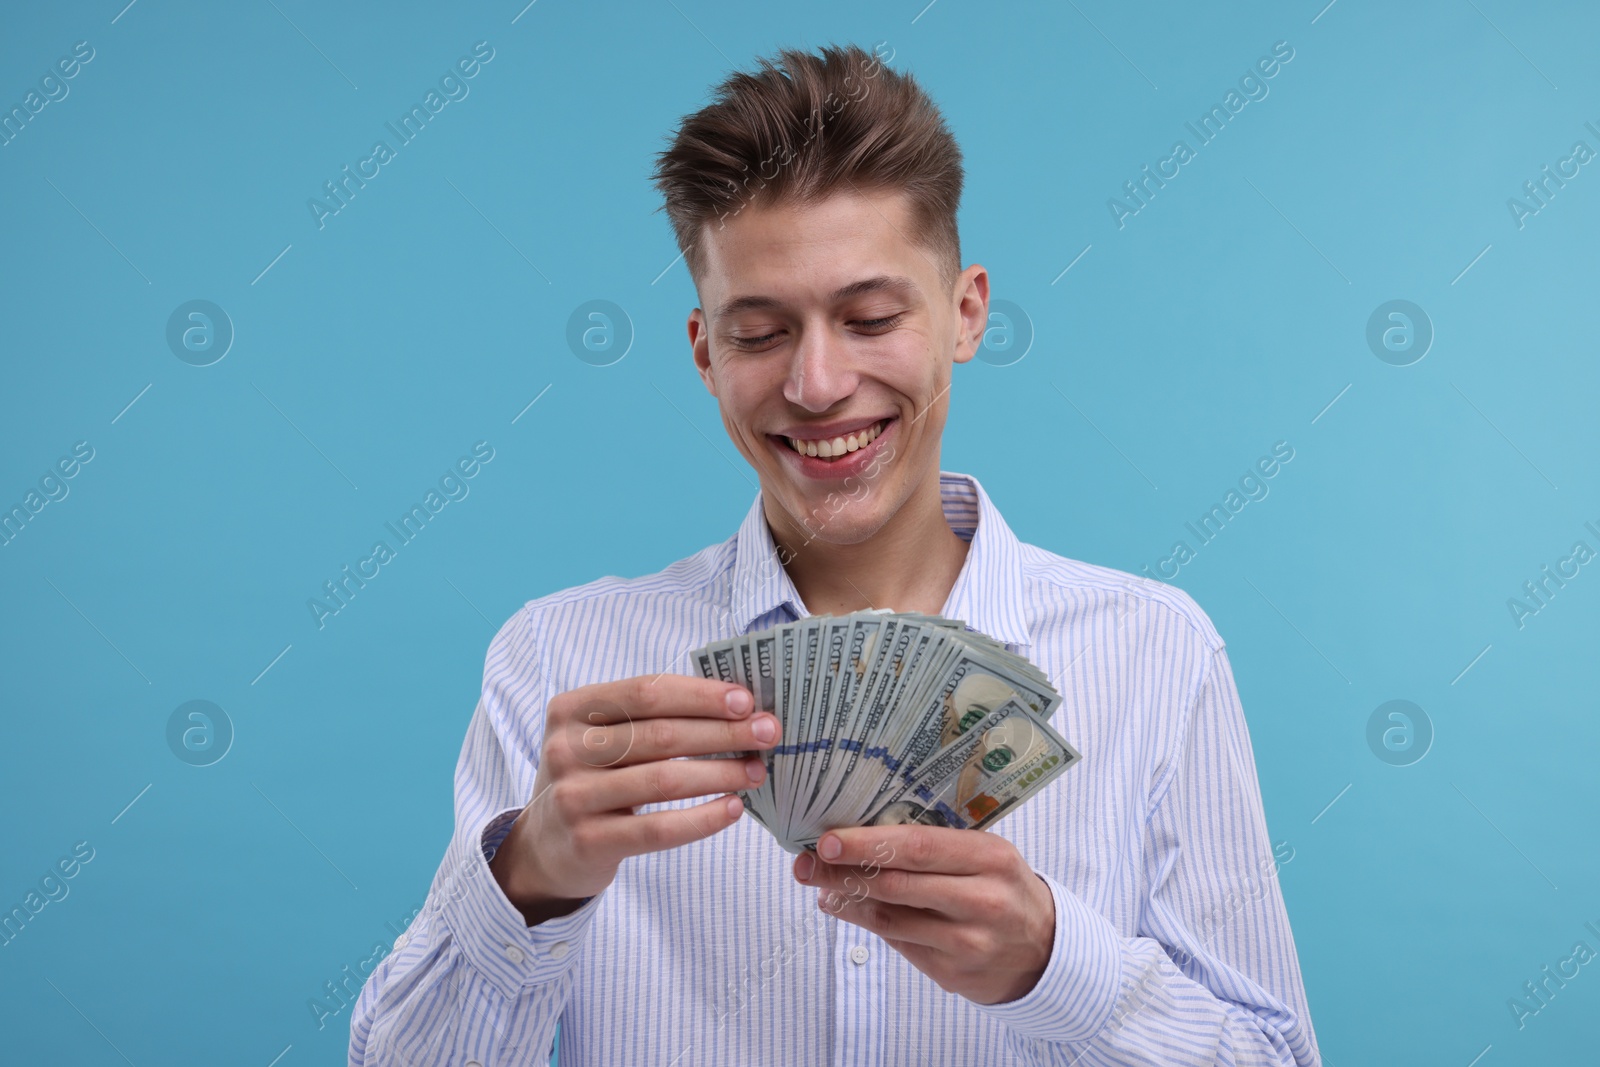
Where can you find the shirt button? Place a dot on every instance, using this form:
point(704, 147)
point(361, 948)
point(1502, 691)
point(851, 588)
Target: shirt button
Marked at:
point(400, 942)
point(559, 950)
point(514, 954)
point(474, 1063)
point(858, 955)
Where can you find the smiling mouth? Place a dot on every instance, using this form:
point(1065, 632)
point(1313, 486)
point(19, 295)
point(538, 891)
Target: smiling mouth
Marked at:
point(835, 447)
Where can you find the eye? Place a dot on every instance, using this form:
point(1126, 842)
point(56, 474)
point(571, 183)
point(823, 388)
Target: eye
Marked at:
point(887, 323)
point(751, 342)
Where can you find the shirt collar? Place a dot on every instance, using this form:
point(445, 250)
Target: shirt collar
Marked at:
point(988, 594)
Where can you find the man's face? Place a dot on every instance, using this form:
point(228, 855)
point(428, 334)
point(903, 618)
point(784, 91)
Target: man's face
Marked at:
point(823, 323)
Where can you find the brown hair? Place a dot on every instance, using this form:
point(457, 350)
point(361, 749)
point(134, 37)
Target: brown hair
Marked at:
point(805, 128)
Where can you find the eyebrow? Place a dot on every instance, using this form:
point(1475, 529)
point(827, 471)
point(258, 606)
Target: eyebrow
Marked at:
point(896, 284)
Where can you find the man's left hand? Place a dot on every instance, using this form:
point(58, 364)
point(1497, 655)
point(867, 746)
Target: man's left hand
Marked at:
point(962, 905)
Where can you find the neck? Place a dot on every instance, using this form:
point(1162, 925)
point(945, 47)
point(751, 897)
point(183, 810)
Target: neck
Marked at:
point(911, 564)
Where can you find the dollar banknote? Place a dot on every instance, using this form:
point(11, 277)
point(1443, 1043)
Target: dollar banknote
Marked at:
point(891, 717)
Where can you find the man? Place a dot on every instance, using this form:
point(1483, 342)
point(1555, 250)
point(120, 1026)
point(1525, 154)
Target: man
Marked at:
point(1127, 914)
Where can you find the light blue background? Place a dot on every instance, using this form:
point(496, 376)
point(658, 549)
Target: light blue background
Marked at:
point(1224, 317)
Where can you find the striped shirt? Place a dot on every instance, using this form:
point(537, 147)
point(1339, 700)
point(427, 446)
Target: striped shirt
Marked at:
point(1171, 944)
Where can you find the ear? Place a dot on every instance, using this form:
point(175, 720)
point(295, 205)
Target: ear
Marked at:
point(700, 345)
point(972, 311)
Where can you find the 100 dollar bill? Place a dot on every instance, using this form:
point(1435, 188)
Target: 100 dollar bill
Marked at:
point(994, 764)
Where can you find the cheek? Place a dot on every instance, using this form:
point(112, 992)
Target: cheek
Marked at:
point(736, 422)
point(744, 401)
point(753, 390)
point(921, 365)
point(741, 403)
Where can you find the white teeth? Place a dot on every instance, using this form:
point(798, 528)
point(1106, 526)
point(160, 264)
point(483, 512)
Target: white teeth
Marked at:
point(837, 446)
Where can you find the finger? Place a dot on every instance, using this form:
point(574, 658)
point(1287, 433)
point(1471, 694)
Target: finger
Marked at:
point(647, 740)
point(940, 849)
point(662, 780)
point(647, 697)
point(621, 836)
point(892, 921)
point(943, 893)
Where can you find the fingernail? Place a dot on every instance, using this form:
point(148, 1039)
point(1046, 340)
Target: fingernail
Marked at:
point(804, 866)
point(829, 848)
point(739, 701)
point(755, 770)
point(735, 807)
point(765, 728)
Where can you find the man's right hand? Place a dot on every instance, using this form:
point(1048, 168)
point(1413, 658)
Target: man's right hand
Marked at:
point(609, 748)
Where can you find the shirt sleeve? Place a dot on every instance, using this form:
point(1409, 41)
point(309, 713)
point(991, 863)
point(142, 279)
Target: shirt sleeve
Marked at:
point(469, 980)
point(1212, 976)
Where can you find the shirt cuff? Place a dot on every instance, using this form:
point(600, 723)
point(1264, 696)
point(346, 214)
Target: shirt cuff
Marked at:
point(1081, 984)
point(489, 929)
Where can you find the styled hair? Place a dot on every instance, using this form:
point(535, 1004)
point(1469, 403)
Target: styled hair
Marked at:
point(804, 128)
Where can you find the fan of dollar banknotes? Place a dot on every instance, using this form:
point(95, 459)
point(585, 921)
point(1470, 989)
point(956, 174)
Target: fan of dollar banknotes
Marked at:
point(891, 717)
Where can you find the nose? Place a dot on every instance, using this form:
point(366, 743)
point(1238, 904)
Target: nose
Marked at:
point(821, 372)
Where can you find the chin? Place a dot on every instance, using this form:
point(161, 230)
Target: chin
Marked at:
point(837, 519)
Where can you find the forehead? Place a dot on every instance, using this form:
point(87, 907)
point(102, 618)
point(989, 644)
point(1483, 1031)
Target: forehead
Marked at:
point(792, 252)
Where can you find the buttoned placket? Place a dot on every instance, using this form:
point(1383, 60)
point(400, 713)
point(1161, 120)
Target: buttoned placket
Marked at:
point(859, 1007)
point(760, 584)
